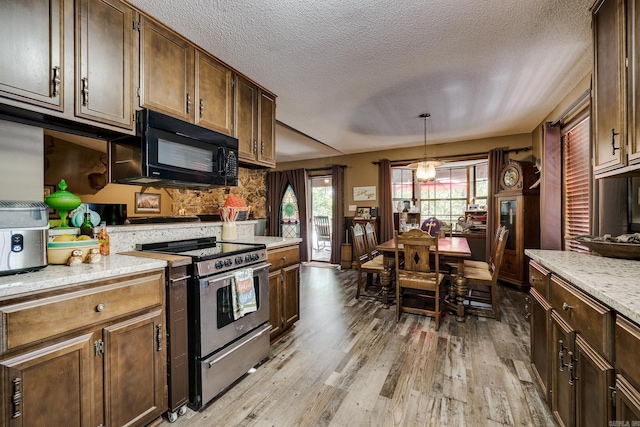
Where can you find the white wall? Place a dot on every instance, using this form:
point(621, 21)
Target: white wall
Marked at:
point(21, 162)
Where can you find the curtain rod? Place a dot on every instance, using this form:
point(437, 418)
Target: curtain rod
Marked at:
point(324, 169)
point(575, 103)
point(470, 156)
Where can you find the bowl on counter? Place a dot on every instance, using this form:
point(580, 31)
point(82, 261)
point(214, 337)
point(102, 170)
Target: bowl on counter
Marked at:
point(59, 252)
point(610, 249)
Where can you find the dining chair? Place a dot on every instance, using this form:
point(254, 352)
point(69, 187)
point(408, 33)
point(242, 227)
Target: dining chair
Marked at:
point(485, 264)
point(417, 281)
point(483, 283)
point(371, 242)
point(361, 257)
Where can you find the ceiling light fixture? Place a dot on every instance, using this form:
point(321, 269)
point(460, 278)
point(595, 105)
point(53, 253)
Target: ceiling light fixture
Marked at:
point(425, 168)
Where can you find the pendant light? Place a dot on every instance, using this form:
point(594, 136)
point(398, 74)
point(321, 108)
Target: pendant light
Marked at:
point(425, 168)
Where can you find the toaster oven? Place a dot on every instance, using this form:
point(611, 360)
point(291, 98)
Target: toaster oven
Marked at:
point(23, 236)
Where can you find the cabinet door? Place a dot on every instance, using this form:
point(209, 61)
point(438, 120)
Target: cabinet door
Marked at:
point(609, 88)
point(214, 94)
point(633, 52)
point(627, 401)
point(167, 72)
point(31, 41)
point(540, 354)
point(562, 392)
point(291, 295)
point(104, 57)
point(267, 148)
point(246, 119)
point(50, 386)
point(134, 370)
point(275, 303)
point(592, 376)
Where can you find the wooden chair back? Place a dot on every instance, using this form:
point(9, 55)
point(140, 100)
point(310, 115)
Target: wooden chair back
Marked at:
point(322, 227)
point(359, 246)
point(416, 252)
point(494, 265)
point(371, 240)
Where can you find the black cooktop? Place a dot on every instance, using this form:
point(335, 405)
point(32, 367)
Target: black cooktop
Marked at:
point(160, 219)
point(201, 249)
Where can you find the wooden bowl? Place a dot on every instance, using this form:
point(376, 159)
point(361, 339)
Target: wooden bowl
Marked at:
point(611, 249)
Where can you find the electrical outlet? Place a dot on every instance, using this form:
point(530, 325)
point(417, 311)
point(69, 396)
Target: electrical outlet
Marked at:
point(352, 208)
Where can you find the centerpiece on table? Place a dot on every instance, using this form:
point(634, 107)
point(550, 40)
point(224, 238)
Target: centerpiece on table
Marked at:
point(235, 209)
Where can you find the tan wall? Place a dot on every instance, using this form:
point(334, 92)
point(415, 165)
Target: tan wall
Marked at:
point(361, 171)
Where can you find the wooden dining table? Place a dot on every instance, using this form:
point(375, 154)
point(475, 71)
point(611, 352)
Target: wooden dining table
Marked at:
point(454, 248)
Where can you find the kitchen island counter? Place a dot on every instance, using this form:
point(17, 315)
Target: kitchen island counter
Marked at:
point(615, 282)
point(61, 276)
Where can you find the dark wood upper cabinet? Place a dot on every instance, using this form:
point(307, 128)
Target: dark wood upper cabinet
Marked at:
point(214, 93)
point(267, 148)
point(166, 71)
point(105, 39)
point(246, 119)
point(31, 41)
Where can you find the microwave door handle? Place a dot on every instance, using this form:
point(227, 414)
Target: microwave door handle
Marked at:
point(222, 161)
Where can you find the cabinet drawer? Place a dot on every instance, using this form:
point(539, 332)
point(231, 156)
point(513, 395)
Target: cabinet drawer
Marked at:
point(539, 278)
point(586, 315)
point(283, 257)
point(627, 349)
point(31, 321)
point(510, 265)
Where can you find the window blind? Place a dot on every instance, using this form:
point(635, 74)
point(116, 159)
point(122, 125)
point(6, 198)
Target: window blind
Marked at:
point(577, 183)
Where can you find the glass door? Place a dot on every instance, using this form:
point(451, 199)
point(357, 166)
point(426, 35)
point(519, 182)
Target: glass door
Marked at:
point(321, 217)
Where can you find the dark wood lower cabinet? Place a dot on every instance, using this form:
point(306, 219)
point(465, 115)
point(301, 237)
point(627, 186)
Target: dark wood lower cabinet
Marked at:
point(50, 386)
point(105, 364)
point(540, 354)
point(563, 394)
point(593, 380)
point(134, 370)
point(284, 288)
point(627, 401)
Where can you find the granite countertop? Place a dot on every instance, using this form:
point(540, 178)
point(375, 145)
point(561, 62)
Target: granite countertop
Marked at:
point(269, 241)
point(614, 282)
point(55, 276)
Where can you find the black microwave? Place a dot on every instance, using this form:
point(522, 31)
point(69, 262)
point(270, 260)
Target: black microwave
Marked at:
point(167, 152)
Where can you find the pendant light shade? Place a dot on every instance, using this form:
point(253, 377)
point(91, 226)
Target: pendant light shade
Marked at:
point(425, 168)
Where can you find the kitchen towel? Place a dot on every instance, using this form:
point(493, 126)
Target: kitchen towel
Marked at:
point(244, 300)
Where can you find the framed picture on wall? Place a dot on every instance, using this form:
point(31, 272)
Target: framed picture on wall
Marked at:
point(363, 213)
point(364, 193)
point(147, 203)
point(49, 190)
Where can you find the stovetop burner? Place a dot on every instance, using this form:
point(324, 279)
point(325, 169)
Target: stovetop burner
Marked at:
point(211, 256)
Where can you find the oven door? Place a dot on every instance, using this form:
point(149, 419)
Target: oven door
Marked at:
point(218, 327)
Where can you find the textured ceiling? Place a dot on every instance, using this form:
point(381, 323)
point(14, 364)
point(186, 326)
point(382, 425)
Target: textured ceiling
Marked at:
point(355, 74)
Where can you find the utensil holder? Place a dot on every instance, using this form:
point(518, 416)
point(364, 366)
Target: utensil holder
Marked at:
point(229, 231)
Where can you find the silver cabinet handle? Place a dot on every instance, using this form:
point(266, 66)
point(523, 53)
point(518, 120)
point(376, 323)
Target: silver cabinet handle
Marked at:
point(85, 91)
point(56, 81)
point(100, 307)
point(566, 307)
point(179, 279)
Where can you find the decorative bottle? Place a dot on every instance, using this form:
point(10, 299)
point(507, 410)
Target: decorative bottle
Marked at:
point(86, 229)
point(103, 239)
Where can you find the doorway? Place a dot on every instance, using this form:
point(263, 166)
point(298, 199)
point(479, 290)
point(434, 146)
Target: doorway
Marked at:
point(321, 217)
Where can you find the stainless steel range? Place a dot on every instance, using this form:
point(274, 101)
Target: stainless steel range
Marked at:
point(228, 312)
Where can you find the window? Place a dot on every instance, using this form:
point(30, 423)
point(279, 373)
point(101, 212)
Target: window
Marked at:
point(577, 183)
point(447, 197)
point(402, 185)
point(480, 180)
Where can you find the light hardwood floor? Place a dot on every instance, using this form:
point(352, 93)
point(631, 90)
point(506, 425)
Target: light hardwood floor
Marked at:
point(348, 362)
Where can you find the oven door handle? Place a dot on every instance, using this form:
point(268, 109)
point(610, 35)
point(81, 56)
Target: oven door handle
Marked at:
point(265, 328)
point(256, 269)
